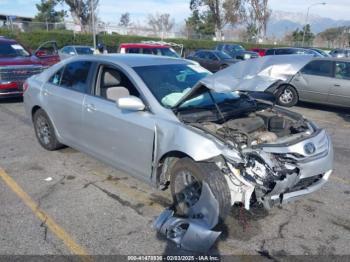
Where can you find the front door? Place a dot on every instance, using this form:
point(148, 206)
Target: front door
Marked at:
point(120, 137)
point(313, 82)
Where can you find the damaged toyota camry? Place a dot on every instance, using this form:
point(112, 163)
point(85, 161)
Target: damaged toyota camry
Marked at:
point(173, 124)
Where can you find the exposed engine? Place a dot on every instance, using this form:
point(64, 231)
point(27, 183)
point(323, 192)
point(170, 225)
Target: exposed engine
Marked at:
point(265, 126)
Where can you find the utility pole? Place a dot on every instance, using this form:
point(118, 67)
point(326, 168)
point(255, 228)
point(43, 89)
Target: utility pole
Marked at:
point(93, 22)
point(307, 18)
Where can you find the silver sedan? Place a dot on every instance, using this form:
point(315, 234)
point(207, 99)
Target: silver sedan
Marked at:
point(324, 81)
point(157, 119)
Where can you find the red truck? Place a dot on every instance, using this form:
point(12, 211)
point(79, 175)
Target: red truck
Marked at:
point(17, 64)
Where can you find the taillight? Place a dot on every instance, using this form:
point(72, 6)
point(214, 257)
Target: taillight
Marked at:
point(8, 85)
point(25, 86)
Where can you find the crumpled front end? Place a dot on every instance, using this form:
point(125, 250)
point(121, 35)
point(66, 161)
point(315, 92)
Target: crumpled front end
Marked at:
point(279, 173)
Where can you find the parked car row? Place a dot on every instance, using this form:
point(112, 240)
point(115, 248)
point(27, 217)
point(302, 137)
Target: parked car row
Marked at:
point(324, 80)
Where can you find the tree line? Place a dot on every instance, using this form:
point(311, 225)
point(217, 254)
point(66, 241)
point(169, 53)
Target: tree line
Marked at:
point(208, 17)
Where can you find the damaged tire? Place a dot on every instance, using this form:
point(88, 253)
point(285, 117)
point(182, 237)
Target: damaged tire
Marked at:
point(45, 132)
point(186, 179)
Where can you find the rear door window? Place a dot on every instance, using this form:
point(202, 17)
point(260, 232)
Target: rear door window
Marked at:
point(75, 76)
point(342, 70)
point(133, 50)
point(318, 68)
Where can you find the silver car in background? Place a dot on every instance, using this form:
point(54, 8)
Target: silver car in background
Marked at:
point(170, 122)
point(324, 81)
point(74, 50)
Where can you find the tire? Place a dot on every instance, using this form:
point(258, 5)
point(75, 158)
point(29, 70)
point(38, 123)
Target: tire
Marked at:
point(45, 132)
point(287, 96)
point(207, 172)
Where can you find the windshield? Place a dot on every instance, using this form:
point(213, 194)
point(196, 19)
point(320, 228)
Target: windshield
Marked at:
point(235, 48)
point(223, 55)
point(12, 50)
point(84, 50)
point(169, 83)
point(169, 52)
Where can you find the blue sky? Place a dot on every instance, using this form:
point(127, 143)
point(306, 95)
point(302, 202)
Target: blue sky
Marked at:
point(110, 10)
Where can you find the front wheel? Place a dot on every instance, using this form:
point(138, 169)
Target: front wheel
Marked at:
point(186, 178)
point(44, 131)
point(288, 97)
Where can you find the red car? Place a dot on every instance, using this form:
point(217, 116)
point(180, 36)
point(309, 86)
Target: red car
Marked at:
point(17, 64)
point(148, 49)
point(260, 51)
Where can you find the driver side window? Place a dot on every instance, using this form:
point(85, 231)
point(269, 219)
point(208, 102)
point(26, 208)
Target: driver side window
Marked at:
point(113, 78)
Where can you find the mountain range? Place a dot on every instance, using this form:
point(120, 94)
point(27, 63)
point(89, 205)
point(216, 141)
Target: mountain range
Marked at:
point(282, 22)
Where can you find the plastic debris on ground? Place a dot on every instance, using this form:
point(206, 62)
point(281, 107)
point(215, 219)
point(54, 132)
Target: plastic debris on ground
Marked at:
point(194, 232)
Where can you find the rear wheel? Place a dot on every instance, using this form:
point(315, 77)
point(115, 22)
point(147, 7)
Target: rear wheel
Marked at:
point(186, 178)
point(44, 131)
point(288, 96)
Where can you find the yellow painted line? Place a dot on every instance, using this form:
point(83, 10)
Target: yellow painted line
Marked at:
point(75, 248)
point(341, 180)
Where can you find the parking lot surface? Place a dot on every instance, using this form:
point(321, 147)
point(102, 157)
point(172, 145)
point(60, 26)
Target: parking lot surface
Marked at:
point(65, 202)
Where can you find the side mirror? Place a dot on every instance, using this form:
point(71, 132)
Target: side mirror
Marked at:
point(40, 53)
point(131, 103)
point(71, 53)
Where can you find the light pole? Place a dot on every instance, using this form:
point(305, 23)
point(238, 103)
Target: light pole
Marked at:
point(93, 22)
point(307, 18)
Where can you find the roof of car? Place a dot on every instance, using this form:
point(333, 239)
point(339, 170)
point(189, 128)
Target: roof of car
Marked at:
point(134, 60)
point(339, 59)
point(7, 40)
point(74, 46)
point(142, 45)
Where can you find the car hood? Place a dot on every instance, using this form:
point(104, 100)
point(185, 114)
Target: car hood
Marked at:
point(253, 75)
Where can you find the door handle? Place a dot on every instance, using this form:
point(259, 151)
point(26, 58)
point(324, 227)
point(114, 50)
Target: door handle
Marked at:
point(337, 85)
point(45, 93)
point(90, 107)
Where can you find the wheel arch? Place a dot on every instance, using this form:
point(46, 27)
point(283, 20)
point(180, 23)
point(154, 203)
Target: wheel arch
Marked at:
point(34, 109)
point(164, 164)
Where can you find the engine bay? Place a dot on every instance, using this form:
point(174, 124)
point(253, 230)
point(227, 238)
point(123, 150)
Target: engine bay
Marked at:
point(261, 127)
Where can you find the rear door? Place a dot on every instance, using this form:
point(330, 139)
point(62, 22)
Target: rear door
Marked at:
point(120, 137)
point(340, 89)
point(213, 62)
point(64, 95)
point(314, 81)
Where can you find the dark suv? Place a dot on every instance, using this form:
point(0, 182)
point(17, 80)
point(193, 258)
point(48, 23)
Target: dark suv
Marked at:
point(236, 51)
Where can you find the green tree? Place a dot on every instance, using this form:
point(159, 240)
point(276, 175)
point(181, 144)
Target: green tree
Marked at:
point(47, 13)
point(81, 12)
point(222, 12)
point(200, 25)
point(124, 20)
point(297, 36)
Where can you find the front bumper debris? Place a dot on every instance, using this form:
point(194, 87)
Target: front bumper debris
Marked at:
point(194, 232)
